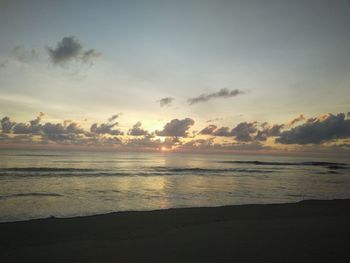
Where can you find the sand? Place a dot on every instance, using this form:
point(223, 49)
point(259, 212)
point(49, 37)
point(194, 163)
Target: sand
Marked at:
point(309, 231)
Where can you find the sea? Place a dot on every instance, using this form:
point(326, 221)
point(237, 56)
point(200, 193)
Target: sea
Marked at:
point(56, 183)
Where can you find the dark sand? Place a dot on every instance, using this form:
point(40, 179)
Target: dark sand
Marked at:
point(310, 231)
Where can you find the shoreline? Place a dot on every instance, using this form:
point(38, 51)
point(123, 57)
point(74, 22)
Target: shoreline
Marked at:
point(308, 230)
point(116, 213)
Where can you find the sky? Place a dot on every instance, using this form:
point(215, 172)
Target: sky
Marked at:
point(245, 75)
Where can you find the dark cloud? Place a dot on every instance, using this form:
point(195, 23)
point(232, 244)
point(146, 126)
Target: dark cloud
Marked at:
point(223, 93)
point(68, 132)
point(165, 101)
point(33, 127)
point(176, 128)
point(106, 128)
point(318, 130)
point(268, 131)
point(51, 129)
point(23, 128)
point(68, 49)
point(38, 119)
point(137, 131)
point(6, 125)
point(223, 131)
point(215, 131)
point(208, 130)
point(48, 132)
point(244, 130)
point(74, 128)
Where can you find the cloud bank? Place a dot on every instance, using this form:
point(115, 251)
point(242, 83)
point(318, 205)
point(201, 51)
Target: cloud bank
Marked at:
point(328, 131)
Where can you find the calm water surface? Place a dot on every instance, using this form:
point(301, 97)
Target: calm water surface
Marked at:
point(36, 184)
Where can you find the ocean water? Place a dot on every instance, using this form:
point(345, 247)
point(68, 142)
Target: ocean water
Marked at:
point(39, 184)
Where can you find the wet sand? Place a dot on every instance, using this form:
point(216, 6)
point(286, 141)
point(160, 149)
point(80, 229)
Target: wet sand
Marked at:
point(309, 231)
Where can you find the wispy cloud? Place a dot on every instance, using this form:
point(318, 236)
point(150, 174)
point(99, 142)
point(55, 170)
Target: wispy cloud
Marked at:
point(301, 117)
point(223, 93)
point(165, 102)
point(213, 120)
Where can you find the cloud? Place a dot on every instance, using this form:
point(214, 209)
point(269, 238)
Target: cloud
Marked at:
point(208, 130)
point(223, 131)
point(176, 128)
point(6, 125)
point(23, 132)
point(69, 49)
point(38, 119)
point(268, 131)
point(324, 132)
point(23, 128)
point(166, 102)
point(244, 130)
point(136, 130)
point(73, 127)
point(215, 131)
point(21, 54)
point(114, 117)
point(318, 130)
point(223, 93)
point(33, 127)
point(301, 117)
point(107, 128)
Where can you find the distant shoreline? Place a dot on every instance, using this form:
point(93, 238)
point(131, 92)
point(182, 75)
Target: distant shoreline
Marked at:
point(307, 231)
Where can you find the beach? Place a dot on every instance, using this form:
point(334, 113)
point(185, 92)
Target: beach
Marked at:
point(308, 231)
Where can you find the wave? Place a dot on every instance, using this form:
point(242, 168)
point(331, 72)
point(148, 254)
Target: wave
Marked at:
point(143, 171)
point(44, 169)
point(36, 155)
point(164, 170)
point(209, 170)
point(30, 194)
point(327, 164)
